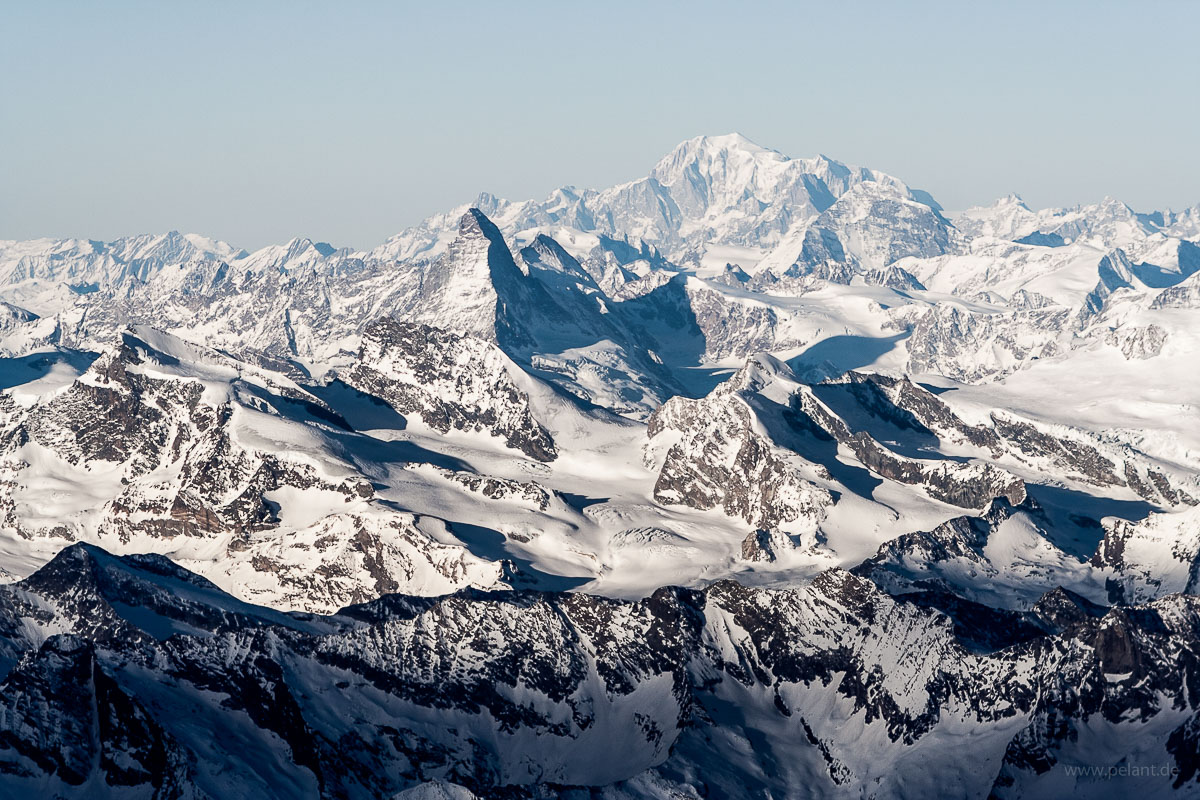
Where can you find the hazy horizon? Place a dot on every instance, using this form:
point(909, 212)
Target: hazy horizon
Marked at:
point(347, 124)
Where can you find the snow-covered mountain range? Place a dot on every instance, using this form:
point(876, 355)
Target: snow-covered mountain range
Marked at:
point(398, 522)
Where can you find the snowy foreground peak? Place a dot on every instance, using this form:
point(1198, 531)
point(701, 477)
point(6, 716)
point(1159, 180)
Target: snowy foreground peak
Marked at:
point(755, 475)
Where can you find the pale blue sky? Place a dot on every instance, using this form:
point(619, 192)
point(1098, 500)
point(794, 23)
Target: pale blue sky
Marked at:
point(258, 121)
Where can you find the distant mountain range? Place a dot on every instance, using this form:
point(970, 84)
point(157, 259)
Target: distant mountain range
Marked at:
point(755, 476)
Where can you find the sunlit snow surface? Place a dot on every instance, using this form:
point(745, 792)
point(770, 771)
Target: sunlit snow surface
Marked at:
point(605, 304)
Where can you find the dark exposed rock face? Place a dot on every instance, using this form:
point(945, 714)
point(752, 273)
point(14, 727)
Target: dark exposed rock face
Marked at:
point(1156, 556)
point(818, 268)
point(502, 489)
point(956, 558)
point(1077, 456)
point(765, 545)
point(141, 423)
point(341, 706)
point(183, 467)
point(721, 461)
point(905, 405)
point(118, 416)
point(725, 464)
point(127, 418)
point(966, 487)
point(740, 450)
point(961, 537)
point(451, 381)
point(68, 720)
point(908, 405)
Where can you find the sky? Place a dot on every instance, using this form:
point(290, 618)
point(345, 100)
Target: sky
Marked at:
point(255, 122)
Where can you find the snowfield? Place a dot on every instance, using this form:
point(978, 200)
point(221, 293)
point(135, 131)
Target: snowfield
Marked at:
point(757, 474)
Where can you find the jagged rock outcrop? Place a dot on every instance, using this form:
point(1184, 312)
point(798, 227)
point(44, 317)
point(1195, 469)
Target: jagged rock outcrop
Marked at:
point(336, 706)
point(449, 380)
point(741, 448)
point(719, 459)
point(157, 453)
point(1068, 452)
point(1157, 556)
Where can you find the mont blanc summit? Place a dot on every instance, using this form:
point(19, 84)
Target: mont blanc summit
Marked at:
point(755, 476)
